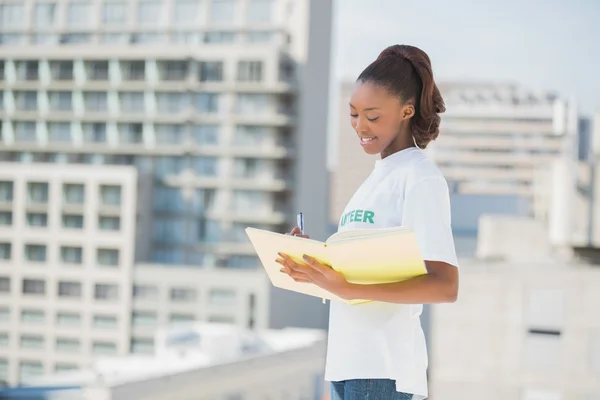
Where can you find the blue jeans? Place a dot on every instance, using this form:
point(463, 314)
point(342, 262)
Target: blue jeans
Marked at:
point(367, 389)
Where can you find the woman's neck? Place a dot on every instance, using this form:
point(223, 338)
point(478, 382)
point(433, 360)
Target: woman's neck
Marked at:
point(402, 142)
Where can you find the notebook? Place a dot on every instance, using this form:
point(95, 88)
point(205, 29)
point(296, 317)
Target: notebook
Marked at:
point(363, 256)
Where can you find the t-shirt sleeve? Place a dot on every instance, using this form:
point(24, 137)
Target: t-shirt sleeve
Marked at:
point(426, 211)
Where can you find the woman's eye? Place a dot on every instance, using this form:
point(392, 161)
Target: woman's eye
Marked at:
point(373, 119)
point(354, 115)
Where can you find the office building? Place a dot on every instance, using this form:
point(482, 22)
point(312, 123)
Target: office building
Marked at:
point(215, 106)
point(200, 361)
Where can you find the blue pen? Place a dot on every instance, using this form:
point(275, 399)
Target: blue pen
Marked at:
point(300, 222)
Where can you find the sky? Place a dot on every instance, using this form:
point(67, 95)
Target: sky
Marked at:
point(540, 44)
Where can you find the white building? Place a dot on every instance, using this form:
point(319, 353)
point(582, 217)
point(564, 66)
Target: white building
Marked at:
point(201, 361)
point(218, 109)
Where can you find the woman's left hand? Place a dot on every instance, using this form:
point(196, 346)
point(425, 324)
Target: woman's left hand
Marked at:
point(312, 271)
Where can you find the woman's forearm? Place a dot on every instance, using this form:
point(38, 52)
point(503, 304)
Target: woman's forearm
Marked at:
point(440, 285)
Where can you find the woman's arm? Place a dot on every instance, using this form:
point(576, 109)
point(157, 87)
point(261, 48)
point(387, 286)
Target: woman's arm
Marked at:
point(440, 285)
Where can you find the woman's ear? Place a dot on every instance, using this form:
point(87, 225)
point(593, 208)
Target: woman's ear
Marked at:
point(408, 110)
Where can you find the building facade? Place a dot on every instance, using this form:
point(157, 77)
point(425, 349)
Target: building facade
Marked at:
point(209, 104)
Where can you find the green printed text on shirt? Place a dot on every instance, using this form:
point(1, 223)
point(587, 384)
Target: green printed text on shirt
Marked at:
point(357, 216)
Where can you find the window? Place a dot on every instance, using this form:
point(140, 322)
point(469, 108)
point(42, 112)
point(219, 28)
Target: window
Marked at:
point(37, 219)
point(75, 38)
point(27, 70)
point(37, 192)
point(205, 166)
point(12, 15)
point(238, 261)
point(115, 38)
point(105, 321)
point(97, 70)
point(6, 191)
point(206, 134)
point(110, 195)
point(4, 340)
point(69, 289)
point(220, 37)
point(4, 314)
point(259, 37)
point(169, 134)
point(67, 345)
point(183, 294)
point(12, 38)
point(72, 221)
point(79, 14)
point(65, 367)
point(172, 102)
point(94, 132)
point(26, 101)
point(253, 103)
point(61, 101)
point(168, 199)
point(68, 319)
point(142, 346)
point(104, 348)
point(32, 341)
point(4, 284)
point(5, 219)
point(143, 318)
point(169, 230)
point(104, 291)
point(133, 70)
point(211, 71)
point(222, 11)
point(59, 132)
point(73, 193)
point(44, 15)
point(30, 370)
point(207, 102)
point(35, 252)
point(25, 132)
point(108, 257)
point(546, 308)
point(109, 223)
point(260, 10)
point(168, 256)
point(149, 12)
point(114, 13)
point(168, 165)
point(249, 135)
point(132, 101)
point(131, 133)
point(71, 254)
point(185, 11)
point(543, 352)
point(251, 201)
point(61, 71)
point(173, 70)
point(208, 231)
point(33, 316)
point(95, 101)
point(5, 251)
point(250, 71)
point(222, 319)
point(222, 297)
point(176, 318)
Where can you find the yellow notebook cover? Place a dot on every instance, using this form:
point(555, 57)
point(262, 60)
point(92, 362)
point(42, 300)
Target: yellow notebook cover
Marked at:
point(366, 256)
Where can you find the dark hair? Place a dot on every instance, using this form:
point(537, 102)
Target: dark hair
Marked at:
point(405, 71)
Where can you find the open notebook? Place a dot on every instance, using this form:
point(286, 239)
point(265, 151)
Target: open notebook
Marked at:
point(363, 256)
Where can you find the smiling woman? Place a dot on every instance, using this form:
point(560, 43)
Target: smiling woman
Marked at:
point(377, 350)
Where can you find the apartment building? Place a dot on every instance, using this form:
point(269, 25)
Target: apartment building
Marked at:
point(209, 104)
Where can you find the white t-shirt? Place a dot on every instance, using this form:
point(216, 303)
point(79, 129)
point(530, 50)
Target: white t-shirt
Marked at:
point(385, 340)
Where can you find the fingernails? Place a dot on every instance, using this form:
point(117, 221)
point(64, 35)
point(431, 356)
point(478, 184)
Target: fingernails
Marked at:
point(307, 258)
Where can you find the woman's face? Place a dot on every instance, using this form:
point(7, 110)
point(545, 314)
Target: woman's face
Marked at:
point(379, 119)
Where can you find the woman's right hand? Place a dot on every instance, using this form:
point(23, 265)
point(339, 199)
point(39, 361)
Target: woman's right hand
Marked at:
point(297, 232)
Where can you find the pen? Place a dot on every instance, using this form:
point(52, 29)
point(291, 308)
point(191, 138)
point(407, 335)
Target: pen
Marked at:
point(300, 222)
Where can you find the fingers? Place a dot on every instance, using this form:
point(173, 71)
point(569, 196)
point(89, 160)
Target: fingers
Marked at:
point(295, 274)
point(315, 264)
point(297, 232)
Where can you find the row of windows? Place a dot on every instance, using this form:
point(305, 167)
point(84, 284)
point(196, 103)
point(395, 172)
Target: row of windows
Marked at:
point(72, 193)
point(101, 71)
point(146, 12)
point(68, 221)
point(67, 289)
point(30, 341)
point(71, 255)
point(31, 369)
point(216, 296)
point(257, 37)
point(247, 104)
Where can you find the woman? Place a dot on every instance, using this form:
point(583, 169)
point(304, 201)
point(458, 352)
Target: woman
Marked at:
point(377, 350)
